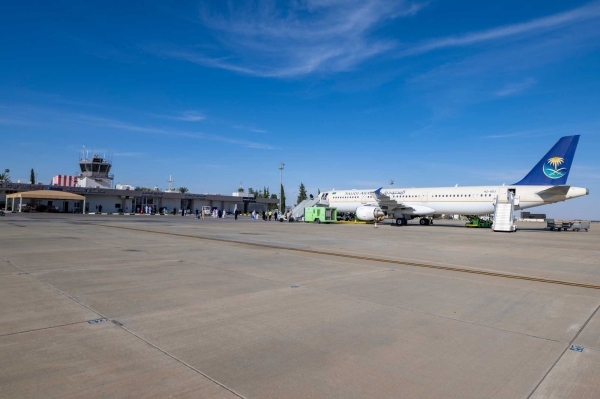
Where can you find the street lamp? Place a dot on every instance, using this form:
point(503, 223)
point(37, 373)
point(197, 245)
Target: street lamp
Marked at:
point(281, 165)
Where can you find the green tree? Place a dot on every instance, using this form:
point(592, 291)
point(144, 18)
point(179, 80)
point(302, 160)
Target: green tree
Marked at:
point(32, 177)
point(183, 190)
point(5, 177)
point(282, 199)
point(240, 190)
point(301, 193)
point(250, 191)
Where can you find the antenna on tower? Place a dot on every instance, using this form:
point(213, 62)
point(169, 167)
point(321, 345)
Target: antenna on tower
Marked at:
point(391, 183)
point(170, 181)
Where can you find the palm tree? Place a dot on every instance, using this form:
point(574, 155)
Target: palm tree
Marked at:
point(5, 177)
point(183, 190)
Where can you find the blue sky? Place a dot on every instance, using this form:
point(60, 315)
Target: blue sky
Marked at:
point(349, 94)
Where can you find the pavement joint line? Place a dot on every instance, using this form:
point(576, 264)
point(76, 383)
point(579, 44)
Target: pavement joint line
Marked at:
point(367, 258)
point(435, 315)
point(119, 325)
point(43, 328)
point(56, 289)
point(564, 351)
point(183, 363)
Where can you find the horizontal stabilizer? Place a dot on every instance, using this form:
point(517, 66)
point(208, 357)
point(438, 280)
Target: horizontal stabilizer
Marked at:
point(555, 190)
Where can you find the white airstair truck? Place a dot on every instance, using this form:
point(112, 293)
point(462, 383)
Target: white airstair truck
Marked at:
point(504, 213)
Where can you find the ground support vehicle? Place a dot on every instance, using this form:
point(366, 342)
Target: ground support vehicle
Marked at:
point(558, 225)
point(320, 214)
point(475, 221)
point(564, 225)
point(581, 225)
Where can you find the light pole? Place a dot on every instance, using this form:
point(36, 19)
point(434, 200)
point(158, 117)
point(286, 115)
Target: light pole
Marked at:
point(281, 165)
point(391, 183)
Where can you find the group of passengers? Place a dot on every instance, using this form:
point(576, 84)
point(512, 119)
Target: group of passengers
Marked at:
point(270, 215)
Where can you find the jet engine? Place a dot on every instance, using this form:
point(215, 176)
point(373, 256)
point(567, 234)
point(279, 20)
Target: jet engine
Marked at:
point(368, 213)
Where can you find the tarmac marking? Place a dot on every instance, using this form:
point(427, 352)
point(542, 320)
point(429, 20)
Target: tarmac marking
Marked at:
point(119, 325)
point(367, 258)
point(43, 328)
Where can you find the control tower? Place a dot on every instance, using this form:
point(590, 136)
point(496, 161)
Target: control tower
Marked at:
point(95, 173)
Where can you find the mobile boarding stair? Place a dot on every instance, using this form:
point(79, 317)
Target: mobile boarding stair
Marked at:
point(298, 211)
point(504, 214)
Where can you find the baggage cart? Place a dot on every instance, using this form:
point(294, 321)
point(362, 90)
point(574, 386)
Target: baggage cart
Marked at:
point(581, 225)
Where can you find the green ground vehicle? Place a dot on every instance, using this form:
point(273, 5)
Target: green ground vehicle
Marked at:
point(320, 214)
point(475, 221)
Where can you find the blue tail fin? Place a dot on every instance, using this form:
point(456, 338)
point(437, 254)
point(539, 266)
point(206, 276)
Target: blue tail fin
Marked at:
point(553, 169)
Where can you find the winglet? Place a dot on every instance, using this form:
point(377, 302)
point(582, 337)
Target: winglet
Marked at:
point(378, 191)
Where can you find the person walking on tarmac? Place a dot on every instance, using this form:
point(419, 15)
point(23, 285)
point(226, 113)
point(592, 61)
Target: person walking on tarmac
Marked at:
point(197, 214)
point(270, 214)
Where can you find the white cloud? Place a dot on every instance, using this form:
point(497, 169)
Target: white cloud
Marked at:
point(116, 124)
point(555, 21)
point(17, 122)
point(187, 116)
point(250, 129)
point(49, 116)
point(306, 36)
point(515, 88)
point(190, 116)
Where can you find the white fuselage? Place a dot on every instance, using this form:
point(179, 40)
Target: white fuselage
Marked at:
point(468, 200)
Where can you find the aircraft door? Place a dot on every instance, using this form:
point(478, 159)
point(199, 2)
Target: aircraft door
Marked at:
point(363, 198)
point(424, 197)
point(503, 193)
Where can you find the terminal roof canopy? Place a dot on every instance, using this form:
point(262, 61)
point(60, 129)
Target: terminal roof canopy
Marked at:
point(47, 194)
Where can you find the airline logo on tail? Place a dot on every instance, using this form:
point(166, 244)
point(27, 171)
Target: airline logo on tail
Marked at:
point(552, 170)
point(554, 167)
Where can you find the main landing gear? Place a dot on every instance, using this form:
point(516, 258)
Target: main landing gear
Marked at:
point(425, 222)
point(401, 222)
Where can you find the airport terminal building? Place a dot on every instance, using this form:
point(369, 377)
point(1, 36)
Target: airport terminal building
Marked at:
point(125, 201)
point(92, 192)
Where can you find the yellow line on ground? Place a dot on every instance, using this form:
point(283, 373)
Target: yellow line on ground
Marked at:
point(367, 258)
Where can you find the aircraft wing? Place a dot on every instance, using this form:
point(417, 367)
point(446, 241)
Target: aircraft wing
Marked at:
point(555, 190)
point(386, 203)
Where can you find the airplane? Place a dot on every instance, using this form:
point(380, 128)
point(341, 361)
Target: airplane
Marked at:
point(545, 184)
